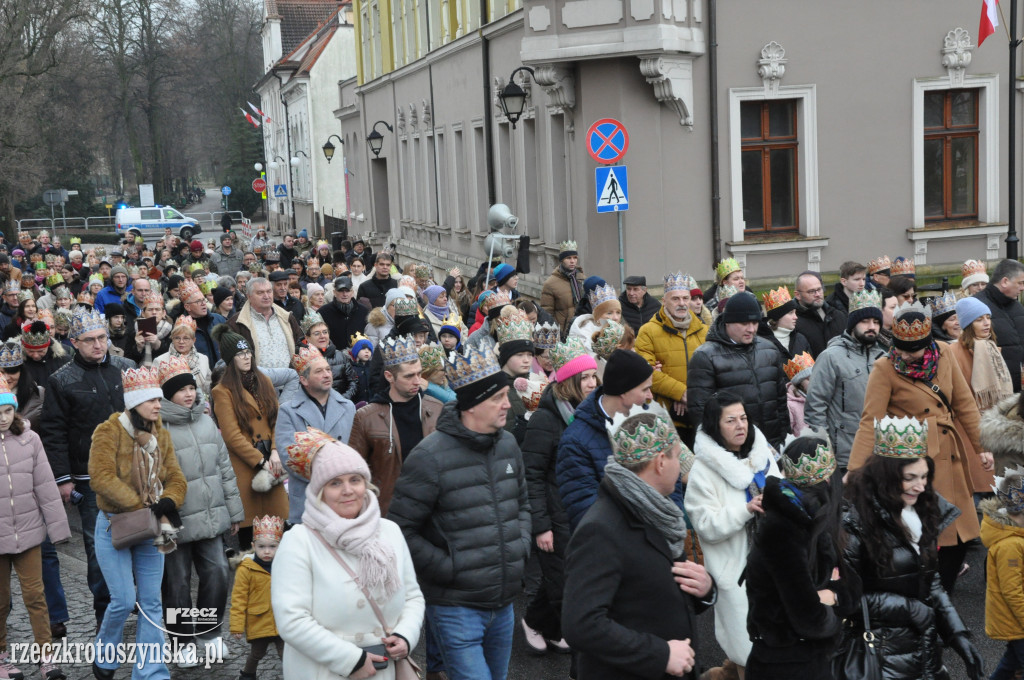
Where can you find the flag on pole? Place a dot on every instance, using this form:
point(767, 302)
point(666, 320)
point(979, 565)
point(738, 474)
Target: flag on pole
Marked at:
point(989, 19)
point(265, 117)
point(255, 122)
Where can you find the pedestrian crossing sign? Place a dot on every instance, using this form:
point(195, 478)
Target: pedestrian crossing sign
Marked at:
point(280, 191)
point(612, 188)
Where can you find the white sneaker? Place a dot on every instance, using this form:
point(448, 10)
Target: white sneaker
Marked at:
point(216, 649)
point(189, 657)
point(534, 640)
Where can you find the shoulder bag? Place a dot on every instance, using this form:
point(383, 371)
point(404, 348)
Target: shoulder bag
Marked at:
point(405, 669)
point(132, 528)
point(858, 658)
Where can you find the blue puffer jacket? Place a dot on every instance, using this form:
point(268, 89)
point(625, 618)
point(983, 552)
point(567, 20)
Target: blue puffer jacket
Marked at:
point(583, 452)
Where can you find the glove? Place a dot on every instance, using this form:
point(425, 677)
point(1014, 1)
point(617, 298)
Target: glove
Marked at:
point(961, 644)
point(174, 518)
point(163, 507)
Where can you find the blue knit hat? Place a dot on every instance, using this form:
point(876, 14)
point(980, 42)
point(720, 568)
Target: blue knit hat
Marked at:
point(361, 345)
point(303, 234)
point(503, 272)
point(591, 283)
point(969, 309)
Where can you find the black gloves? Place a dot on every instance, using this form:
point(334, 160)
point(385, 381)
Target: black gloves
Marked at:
point(961, 644)
point(165, 507)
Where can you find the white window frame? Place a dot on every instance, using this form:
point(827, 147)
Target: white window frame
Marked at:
point(807, 131)
point(988, 143)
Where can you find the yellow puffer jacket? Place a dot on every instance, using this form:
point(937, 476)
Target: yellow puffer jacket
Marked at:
point(1004, 594)
point(658, 340)
point(250, 602)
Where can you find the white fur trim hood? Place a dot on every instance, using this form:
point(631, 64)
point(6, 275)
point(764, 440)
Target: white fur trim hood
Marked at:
point(736, 473)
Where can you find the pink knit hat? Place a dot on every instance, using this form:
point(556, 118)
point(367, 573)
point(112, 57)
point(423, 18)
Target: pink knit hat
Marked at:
point(571, 357)
point(583, 362)
point(332, 460)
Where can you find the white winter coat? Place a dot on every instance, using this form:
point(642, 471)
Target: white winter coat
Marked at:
point(716, 502)
point(322, 614)
point(584, 328)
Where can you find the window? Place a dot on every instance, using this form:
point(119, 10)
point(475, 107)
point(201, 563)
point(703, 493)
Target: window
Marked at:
point(951, 154)
point(149, 215)
point(770, 167)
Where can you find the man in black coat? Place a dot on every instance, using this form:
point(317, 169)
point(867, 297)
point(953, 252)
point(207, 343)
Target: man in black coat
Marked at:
point(1000, 294)
point(376, 288)
point(638, 307)
point(631, 596)
point(343, 315)
point(816, 319)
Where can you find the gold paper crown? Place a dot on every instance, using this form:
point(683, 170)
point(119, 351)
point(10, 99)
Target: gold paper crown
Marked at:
point(863, 299)
point(973, 267)
point(10, 354)
point(495, 300)
point(305, 357)
point(312, 318)
point(726, 267)
point(399, 350)
point(432, 357)
point(774, 299)
point(84, 296)
point(809, 469)
point(1009, 489)
point(185, 320)
point(172, 366)
point(546, 335)
point(679, 281)
point(453, 319)
point(607, 340)
point(46, 316)
point(301, 454)
point(187, 290)
point(54, 280)
point(564, 352)
point(902, 266)
point(567, 247)
point(601, 294)
point(406, 307)
point(140, 379)
point(268, 526)
point(76, 241)
point(35, 334)
point(466, 370)
point(356, 338)
point(96, 278)
point(879, 264)
point(801, 362)
point(633, 441)
point(912, 322)
point(901, 437)
point(943, 304)
point(513, 326)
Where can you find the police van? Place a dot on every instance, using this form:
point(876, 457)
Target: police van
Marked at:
point(151, 222)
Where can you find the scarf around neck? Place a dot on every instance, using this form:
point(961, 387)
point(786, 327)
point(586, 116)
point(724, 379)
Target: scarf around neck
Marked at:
point(649, 505)
point(574, 283)
point(924, 368)
point(146, 462)
point(440, 311)
point(990, 378)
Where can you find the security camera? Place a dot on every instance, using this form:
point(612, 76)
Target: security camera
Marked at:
point(500, 218)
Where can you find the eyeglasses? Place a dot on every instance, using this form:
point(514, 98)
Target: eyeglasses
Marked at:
point(245, 353)
point(92, 341)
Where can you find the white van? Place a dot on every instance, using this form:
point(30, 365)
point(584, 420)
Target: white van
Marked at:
point(151, 222)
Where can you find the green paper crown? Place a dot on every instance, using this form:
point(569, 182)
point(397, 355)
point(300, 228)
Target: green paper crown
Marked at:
point(564, 352)
point(431, 357)
point(864, 299)
point(809, 469)
point(901, 437)
point(512, 327)
point(406, 307)
point(726, 267)
point(608, 339)
point(636, 442)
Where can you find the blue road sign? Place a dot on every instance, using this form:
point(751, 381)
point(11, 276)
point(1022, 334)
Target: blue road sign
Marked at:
point(612, 188)
point(280, 191)
point(607, 141)
point(225, 190)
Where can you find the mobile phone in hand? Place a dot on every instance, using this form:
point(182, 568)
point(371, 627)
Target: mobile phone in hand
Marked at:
point(379, 650)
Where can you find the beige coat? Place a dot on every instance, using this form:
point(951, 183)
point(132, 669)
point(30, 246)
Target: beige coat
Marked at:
point(556, 297)
point(889, 393)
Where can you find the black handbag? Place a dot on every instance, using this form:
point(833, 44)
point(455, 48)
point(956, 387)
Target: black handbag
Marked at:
point(858, 657)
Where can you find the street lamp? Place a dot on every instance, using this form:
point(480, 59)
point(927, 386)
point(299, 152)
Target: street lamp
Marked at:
point(376, 139)
point(295, 159)
point(274, 163)
point(258, 167)
point(329, 148)
point(513, 97)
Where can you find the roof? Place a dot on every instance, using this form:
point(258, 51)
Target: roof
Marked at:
point(302, 59)
point(300, 18)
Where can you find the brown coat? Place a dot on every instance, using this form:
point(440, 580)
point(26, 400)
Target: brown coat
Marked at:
point(981, 479)
point(889, 393)
point(245, 457)
point(556, 297)
point(375, 437)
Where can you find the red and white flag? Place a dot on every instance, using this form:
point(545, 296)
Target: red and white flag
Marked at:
point(255, 122)
point(265, 117)
point(989, 19)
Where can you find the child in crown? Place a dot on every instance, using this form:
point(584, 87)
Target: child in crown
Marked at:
point(1002, 532)
point(251, 613)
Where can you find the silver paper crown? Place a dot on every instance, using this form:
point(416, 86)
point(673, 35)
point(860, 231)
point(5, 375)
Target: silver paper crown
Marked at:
point(567, 246)
point(12, 287)
point(943, 304)
point(311, 319)
point(602, 294)
point(399, 350)
point(864, 299)
point(10, 354)
point(679, 281)
point(466, 370)
point(1009, 489)
point(86, 321)
point(545, 335)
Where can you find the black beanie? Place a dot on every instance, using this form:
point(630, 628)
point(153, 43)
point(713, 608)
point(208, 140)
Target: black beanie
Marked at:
point(781, 311)
point(507, 350)
point(624, 371)
point(113, 309)
point(407, 325)
point(220, 294)
point(174, 280)
point(229, 342)
point(479, 391)
point(175, 383)
point(741, 308)
point(858, 315)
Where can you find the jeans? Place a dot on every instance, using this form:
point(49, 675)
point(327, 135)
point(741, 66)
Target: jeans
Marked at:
point(56, 602)
point(133, 575)
point(1012, 661)
point(88, 511)
point(212, 567)
point(476, 644)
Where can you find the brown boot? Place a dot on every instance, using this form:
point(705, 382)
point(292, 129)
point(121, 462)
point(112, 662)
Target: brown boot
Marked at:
point(716, 673)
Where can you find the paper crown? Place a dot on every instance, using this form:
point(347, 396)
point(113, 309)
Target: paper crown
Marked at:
point(356, 338)
point(809, 468)
point(608, 338)
point(466, 370)
point(879, 264)
point(431, 357)
point(143, 380)
point(186, 321)
point(148, 298)
point(10, 354)
point(422, 271)
point(726, 267)
point(798, 364)
point(311, 319)
point(398, 350)
point(530, 390)
point(494, 301)
point(602, 294)
point(76, 241)
point(1009, 489)
point(902, 266)
point(943, 304)
point(568, 247)
point(546, 335)
point(304, 450)
point(268, 526)
point(172, 366)
point(634, 441)
point(54, 280)
point(84, 296)
point(774, 299)
point(35, 335)
point(86, 321)
point(901, 437)
point(511, 327)
point(207, 287)
point(679, 281)
point(25, 294)
point(62, 318)
point(564, 352)
point(912, 322)
point(726, 291)
point(96, 278)
point(864, 299)
point(406, 307)
point(973, 271)
point(12, 287)
point(453, 319)
point(188, 291)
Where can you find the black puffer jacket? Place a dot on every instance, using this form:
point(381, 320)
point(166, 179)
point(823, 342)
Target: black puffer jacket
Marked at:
point(462, 504)
point(1008, 327)
point(753, 372)
point(635, 315)
point(909, 610)
point(818, 330)
point(540, 451)
point(79, 397)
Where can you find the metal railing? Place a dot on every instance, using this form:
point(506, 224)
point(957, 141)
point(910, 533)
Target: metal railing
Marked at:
point(108, 222)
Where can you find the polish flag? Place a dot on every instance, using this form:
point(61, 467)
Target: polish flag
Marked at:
point(255, 122)
point(989, 19)
point(265, 117)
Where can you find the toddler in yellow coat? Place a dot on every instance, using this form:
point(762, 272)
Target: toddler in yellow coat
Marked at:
point(251, 613)
point(1002, 532)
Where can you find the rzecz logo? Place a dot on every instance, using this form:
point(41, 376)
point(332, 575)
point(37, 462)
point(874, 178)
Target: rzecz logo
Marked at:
point(193, 615)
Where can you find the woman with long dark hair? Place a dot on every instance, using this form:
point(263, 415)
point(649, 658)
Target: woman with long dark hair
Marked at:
point(28, 393)
point(27, 311)
point(891, 532)
point(245, 404)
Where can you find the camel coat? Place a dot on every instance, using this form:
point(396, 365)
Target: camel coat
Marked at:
point(981, 479)
point(245, 457)
point(889, 393)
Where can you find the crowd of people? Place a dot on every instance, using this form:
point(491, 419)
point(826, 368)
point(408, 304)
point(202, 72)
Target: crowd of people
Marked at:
point(390, 453)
